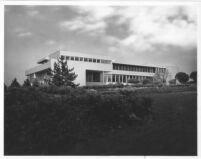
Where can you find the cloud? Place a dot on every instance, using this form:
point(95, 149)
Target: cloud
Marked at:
point(151, 25)
point(147, 26)
point(33, 13)
point(24, 34)
point(89, 19)
point(50, 42)
point(82, 25)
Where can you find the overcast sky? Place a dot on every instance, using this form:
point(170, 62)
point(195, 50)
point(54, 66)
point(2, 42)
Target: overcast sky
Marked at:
point(162, 35)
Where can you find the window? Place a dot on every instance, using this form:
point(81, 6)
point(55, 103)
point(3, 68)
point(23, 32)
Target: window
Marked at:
point(76, 58)
point(117, 78)
point(102, 61)
point(113, 78)
point(90, 59)
point(72, 58)
point(98, 60)
point(105, 61)
point(81, 58)
point(94, 60)
point(86, 59)
point(109, 78)
point(124, 78)
point(67, 57)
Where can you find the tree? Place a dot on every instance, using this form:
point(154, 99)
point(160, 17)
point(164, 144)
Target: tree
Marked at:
point(27, 83)
point(5, 87)
point(182, 77)
point(160, 77)
point(15, 83)
point(35, 83)
point(61, 75)
point(193, 76)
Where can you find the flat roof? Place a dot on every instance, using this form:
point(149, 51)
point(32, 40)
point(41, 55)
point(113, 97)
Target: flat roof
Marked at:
point(70, 53)
point(136, 64)
point(44, 59)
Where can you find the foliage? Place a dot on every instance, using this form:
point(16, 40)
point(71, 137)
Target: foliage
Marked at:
point(133, 80)
point(61, 75)
point(172, 81)
point(15, 83)
point(40, 123)
point(160, 76)
point(5, 87)
point(193, 76)
point(117, 85)
point(35, 83)
point(182, 77)
point(146, 81)
point(52, 89)
point(27, 83)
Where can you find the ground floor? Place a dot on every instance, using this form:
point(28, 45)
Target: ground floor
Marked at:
point(101, 77)
point(92, 77)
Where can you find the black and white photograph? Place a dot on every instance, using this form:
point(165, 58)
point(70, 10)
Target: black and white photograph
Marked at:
point(100, 80)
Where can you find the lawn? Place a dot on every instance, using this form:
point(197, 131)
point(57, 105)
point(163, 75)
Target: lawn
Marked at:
point(173, 131)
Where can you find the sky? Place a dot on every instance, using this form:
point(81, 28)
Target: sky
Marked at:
point(144, 35)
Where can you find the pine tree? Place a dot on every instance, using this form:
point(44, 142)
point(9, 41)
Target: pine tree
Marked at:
point(27, 83)
point(15, 83)
point(61, 75)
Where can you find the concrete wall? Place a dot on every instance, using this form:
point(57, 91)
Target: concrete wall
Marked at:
point(38, 68)
point(80, 68)
point(133, 73)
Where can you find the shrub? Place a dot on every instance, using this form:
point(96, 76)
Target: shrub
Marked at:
point(41, 123)
point(52, 89)
point(172, 81)
point(146, 81)
point(133, 81)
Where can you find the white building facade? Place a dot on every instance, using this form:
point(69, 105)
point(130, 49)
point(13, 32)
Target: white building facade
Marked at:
point(94, 69)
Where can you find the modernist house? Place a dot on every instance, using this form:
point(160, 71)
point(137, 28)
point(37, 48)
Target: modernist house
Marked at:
point(94, 69)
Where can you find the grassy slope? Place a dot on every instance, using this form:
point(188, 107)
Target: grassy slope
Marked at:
point(172, 132)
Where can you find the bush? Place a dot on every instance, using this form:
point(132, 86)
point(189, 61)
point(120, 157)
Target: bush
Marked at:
point(146, 81)
point(41, 123)
point(172, 81)
point(62, 90)
point(133, 81)
point(98, 87)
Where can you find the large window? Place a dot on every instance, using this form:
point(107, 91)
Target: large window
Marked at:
point(76, 58)
point(93, 76)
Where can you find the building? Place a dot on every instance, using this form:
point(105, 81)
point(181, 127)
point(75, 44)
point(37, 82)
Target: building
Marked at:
point(93, 69)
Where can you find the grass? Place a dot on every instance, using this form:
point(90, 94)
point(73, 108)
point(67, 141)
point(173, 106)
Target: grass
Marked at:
point(173, 131)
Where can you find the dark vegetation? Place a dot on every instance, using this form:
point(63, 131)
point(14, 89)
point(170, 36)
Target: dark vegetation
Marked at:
point(67, 121)
point(182, 77)
point(173, 131)
point(193, 76)
point(62, 75)
point(38, 123)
